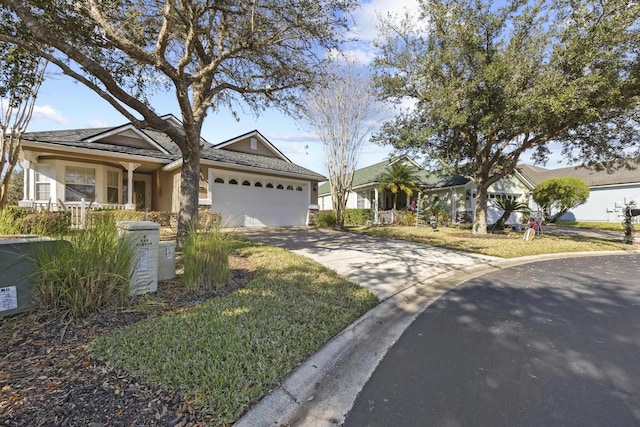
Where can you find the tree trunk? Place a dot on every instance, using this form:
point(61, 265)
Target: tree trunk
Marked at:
point(339, 200)
point(4, 185)
point(189, 182)
point(480, 214)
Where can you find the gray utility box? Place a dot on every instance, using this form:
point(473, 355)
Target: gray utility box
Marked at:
point(167, 260)
point(17, 270)
point(145, 236)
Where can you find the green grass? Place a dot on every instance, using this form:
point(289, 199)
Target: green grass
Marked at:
point(607, 226)
point(230, 351)
point(507, 245)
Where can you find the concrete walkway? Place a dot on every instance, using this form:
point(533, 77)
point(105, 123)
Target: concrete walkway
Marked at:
point(407, 277)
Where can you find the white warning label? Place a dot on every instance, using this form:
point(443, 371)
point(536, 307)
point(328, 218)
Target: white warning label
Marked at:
point(8, 298)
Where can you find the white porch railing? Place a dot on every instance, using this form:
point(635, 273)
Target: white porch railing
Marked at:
point(383, 217)
point(78, 210)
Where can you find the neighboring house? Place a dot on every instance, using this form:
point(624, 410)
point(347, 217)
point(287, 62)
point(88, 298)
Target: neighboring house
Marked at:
point(457, 193)
point(245, 179)
point(608, 192)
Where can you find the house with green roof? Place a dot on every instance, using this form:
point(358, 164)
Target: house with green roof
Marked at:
point(457, 193)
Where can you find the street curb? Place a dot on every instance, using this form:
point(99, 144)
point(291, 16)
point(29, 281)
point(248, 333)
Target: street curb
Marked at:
point(322, 390)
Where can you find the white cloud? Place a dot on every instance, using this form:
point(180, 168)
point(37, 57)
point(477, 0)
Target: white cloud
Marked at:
point(366, 24)
point(47, 112)
point(367, 16)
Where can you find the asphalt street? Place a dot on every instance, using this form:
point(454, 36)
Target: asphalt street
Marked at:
point(551, 343)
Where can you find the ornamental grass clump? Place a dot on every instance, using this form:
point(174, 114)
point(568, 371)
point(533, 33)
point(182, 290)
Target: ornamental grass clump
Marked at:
point(92, 271)
point(206, 259)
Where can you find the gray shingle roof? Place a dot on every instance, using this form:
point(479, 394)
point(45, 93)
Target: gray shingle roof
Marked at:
point(77, 138)
point(370, 175)
point(256, 161)
point(592, 177)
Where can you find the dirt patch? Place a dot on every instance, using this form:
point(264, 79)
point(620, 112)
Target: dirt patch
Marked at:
point(48, 379)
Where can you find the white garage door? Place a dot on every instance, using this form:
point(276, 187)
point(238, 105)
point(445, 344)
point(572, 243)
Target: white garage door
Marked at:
point(253, 201)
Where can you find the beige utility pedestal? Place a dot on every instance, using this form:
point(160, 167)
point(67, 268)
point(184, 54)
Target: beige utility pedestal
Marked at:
point(145, 237)
point(167, 260)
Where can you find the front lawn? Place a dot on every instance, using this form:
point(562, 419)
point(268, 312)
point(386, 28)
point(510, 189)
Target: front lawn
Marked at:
point(607, 226)
point(504, 245)
point(227, 353)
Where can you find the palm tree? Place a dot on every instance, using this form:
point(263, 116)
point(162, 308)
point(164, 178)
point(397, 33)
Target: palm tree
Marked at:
point(508, 206)
point(399, 177)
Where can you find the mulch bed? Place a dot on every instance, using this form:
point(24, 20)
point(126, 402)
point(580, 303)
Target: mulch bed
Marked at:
point(48, 379)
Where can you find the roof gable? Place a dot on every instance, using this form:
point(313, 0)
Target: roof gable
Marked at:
point(253, 143)
point(127, 135)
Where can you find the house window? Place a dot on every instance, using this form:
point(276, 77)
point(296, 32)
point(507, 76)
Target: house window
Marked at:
point(219, 181)
point(362, 199)
point(298, 188)
point(80, 183)
point(290, 187)
point(269, 185)
point(257, 184)
point(246, 183)
point(280, 187)
point(233, 182)
point(113, 188)
point(43, 187)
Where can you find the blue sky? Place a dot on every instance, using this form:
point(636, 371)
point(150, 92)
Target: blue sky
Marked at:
point(64, 104)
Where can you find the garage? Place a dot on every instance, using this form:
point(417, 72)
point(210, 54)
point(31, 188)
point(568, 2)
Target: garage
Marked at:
point(256, 201)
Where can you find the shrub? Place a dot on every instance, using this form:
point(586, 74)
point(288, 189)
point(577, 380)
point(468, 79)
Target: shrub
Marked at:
point(206, 260)
point(163, 218)
point(327, 219)
point(10, 219)
point(46, 223)
point(92, 272)
point(358, 216)
point(560, 195)
point(208, 220)
point(115, 214)
point(409, 218)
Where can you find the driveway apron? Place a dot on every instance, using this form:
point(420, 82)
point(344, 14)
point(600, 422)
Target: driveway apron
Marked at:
point(385, 267)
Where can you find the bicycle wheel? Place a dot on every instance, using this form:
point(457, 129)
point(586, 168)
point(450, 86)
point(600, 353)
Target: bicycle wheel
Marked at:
point(529, 234)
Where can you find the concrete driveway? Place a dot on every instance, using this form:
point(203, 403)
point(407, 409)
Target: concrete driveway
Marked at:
point(407, 278)
point(385, 267)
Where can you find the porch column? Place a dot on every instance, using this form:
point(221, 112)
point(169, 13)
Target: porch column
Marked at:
point(130, 167)
point(454, 206)
point(376, 207)
point(25, 179)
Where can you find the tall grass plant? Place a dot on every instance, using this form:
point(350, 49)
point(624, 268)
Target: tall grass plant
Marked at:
point(89, 273)
point(206, 259)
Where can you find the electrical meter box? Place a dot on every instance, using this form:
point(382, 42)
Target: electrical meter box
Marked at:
point(167, 260)
point(18, 265)
point(145, 237)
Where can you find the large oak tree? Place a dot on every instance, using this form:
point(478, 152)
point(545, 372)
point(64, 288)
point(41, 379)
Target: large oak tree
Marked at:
point(209, 54)
point(492, 81)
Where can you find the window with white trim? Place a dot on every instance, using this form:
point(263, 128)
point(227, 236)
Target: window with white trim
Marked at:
point(362, 198)
point(79, 183)
point(113, 187)
point(43, 186)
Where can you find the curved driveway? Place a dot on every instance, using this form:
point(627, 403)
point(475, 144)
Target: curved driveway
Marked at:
point(407, 278)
